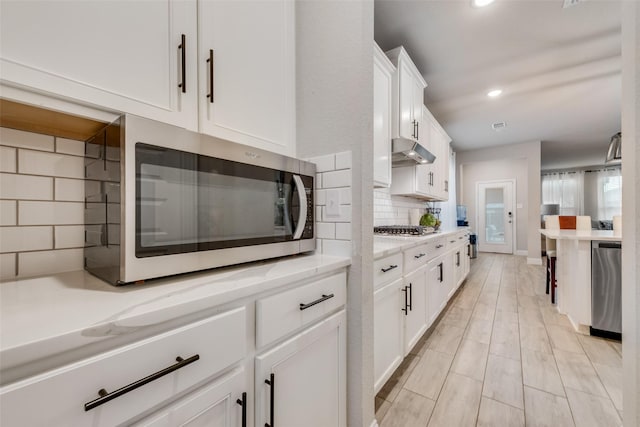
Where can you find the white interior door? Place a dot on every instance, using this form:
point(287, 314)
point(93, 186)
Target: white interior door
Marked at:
point(495, 216)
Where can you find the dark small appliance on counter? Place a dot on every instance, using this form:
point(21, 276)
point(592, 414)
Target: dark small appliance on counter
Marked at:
point(461, 212)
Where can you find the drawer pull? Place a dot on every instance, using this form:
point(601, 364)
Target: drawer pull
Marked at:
point(318, 301)
point(272, 395)
point(439, 246)
point(105, 396)
point(452, 241)
point(391, 267)
point(243, 402)
point(419, 256)
point(441, 278)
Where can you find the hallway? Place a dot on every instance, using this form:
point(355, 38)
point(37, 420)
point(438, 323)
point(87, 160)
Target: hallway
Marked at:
point(501, 355)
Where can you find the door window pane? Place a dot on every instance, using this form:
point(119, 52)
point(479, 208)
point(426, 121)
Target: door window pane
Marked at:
point(494, 215)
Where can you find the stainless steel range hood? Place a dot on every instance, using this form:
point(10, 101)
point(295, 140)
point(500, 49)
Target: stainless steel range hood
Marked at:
point(406, 152)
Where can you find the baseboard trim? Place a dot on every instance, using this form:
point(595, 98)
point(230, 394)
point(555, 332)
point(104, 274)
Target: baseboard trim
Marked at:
point(534, 261)
point(521, 252)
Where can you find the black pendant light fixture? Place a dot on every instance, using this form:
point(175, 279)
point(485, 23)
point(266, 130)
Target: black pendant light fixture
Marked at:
point(614, 154)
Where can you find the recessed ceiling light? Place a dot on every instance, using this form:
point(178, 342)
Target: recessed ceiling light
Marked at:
point(423, 161)
point(493, 93)
point(481, 3)
point(411, 153)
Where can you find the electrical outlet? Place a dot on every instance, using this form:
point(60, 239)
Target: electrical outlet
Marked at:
point(332, 208)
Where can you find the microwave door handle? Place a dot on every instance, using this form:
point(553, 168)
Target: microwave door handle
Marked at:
point(302, 199)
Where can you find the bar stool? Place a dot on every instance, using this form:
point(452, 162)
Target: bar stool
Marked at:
point(560, 222)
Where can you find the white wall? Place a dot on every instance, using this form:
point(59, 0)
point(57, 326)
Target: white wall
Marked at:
point(334, 96)
point(515, 161)
point(630, 211)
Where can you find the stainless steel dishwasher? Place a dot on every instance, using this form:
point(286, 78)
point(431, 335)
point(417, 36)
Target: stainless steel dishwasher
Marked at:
point(606, 289)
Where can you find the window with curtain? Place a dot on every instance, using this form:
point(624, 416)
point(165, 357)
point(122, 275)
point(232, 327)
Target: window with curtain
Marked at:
point(597, 193)
point(565, 189)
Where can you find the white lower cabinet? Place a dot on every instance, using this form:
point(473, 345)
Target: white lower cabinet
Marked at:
point(436, 288)
point(302, 382)
point(222, 403)
point(415, 307)
point(109, 389)
point(387, 332)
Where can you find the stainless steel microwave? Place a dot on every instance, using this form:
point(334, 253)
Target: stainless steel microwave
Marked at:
point(161, 200)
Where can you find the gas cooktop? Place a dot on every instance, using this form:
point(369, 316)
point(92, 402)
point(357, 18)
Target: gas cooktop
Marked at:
point(403, 230)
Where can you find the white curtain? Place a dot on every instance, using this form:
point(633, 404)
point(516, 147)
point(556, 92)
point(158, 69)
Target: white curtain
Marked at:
point(565, 189)
point(608, 193)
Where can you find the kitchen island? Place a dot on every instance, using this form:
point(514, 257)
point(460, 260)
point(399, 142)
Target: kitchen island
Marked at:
point(573, 271)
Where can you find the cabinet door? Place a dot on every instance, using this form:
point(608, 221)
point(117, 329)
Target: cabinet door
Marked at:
point(458, 266)
point(247, 49)
point(417, 102)
point(405, 95)
point(382, 85)
point(123, 56)
point(387, 332)
point(415, 309)
point(436, 291)
point(306, 375)
point(449, 279)
point(218, 404)
point(422, 180)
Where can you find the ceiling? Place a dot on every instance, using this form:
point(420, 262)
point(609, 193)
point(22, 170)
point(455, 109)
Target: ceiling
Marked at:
point(559, 69)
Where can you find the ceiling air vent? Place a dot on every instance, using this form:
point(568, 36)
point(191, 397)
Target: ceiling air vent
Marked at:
point(569, 3)
point(498, 126)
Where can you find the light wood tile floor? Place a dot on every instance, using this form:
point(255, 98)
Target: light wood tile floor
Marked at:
point(501, 355)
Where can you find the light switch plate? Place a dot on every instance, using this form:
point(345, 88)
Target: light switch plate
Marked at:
point(332, 207)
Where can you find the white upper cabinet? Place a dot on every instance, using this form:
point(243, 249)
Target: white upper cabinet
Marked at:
point(224, 68)
point(383, 71)
point(122, 56)
point(408, 96)
point(246, 71)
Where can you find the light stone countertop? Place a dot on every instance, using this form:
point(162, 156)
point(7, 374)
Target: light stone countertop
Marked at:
point(46, 316)
point(603, 235)
point(388, 245)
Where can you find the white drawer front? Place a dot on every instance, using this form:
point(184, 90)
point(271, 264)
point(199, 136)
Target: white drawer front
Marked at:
point(439, 246)
point(415, 258)
point(386, 270)
point(58, 397)
point(287, 311)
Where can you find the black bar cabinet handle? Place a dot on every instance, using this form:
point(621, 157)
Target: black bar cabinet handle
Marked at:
point(183, 55)
point(210, 61)
point(441, 278)
point(458, 259)
point(105, 396)
point(243, 402)
point(391, 267)
point(417, 129)
point(318, 301)
point(406, 305)
point(468, 250)
point(439, 246)
point(271, 382)
point(419, 256)
point(410, 296)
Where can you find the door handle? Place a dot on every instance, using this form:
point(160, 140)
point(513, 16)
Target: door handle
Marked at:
point(210, 61)
point(183, 64)
point(272, 395)
point(243, 403)
point(406, 304)
point(302, 200)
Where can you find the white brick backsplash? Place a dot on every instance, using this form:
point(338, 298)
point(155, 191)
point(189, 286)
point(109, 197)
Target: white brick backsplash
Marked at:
point(69, 236)
point(49, 213)
point(7, 266)
point(16, 239)
point(321, 197)
point(25, 187)
point(337, 247)
point(8, 213)
point(345, 215)
point(393, 210)
point(7, 159)
point(318, 180)
point(336, 179)
point(69, 146)
point(343, 231)
point(324, 163)
point(325, 230)
point(318, 213)
point(39, 163)
point(49, 262)
point(71, 190)
point(18, 138)
point(343, 160)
